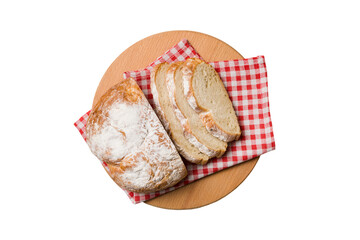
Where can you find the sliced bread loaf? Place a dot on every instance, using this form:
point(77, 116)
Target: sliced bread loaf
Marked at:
point(206, 94)
point(166, 113)
point(188, 117)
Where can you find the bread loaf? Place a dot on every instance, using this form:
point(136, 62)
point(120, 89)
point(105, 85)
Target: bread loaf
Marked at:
point(188, 117)
point(123, 131)
point(206, 94)
point(166, 113)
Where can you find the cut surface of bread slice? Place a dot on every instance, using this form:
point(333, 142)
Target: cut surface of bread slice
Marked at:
point(188, 117)
point(183, 120)
point(206, 94)
point(166, 113)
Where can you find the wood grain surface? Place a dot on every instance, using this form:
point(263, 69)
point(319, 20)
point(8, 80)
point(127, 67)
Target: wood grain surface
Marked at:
point(211, 188)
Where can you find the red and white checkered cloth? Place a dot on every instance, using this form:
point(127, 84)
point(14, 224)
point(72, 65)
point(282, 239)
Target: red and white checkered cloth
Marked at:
point(246, 83)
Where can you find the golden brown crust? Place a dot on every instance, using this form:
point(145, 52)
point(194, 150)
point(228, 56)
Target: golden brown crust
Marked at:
point(161, 185)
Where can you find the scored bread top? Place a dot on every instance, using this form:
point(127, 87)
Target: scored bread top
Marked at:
point(123, 131)
point(206, 94)
point(166, 113)
point(188, 118)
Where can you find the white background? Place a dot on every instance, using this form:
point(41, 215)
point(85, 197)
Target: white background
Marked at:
point(52, 57)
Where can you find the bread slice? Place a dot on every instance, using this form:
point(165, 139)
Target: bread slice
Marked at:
point(183, 121)
point(188, 117)
point(166, 113)
point(206, 94)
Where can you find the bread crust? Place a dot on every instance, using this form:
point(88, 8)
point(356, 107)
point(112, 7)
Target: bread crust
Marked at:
point(124, 132)
point(205, 115)
point(164, 120)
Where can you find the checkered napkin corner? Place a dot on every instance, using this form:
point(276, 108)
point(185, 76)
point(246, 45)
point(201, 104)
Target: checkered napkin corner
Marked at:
point(246, 83)
point(81, 124)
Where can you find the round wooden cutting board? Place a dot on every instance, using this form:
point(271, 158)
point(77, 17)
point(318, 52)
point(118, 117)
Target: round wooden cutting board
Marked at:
point(211, 188)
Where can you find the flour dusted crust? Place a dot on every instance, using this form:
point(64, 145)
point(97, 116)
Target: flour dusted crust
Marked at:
point(170, 81)
point(123, 131)
point(205, 115)
point(169, 120)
